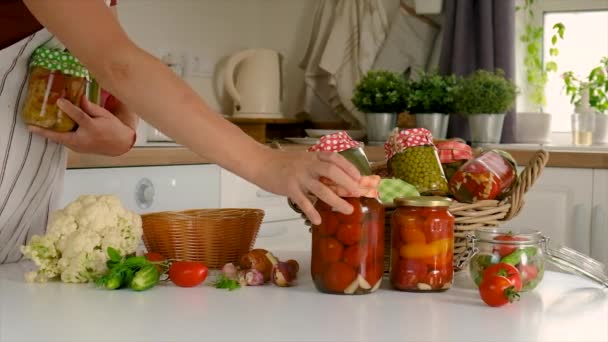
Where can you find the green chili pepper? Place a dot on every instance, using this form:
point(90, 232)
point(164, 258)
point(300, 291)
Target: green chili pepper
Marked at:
point(513, 258)
point(145, 278)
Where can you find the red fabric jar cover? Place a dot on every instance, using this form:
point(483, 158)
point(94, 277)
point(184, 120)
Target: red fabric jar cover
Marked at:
point(401, 140)
point(453, 151)
point(335, 142)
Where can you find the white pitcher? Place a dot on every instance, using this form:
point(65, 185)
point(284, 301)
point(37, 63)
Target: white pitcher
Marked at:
point(256, 88)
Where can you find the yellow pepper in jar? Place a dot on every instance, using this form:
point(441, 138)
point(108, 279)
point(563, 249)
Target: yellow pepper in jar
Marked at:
point(420, 251)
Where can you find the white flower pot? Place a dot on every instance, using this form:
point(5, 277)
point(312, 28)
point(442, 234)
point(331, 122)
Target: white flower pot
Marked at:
point(428, 6)
point(600, 133)
point(532, 128)
point(486, 128)
point(437, 123)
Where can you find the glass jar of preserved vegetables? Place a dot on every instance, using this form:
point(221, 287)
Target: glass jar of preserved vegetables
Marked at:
point(348, 250)
point(413, 158)
point(54, 74)
point(422, 244)
point(452, 155)
point(489, 176)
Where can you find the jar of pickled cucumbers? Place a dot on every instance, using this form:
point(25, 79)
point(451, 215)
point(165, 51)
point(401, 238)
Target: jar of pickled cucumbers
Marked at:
point(413, 158)
point(422, 244)
point(54, 74)
point(348, 250)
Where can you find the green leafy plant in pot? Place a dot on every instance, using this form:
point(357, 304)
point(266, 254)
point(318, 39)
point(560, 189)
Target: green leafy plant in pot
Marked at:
point(534, 125)
point(379, 94)
point(589, 95)
point(431, 99)
point(485, 97)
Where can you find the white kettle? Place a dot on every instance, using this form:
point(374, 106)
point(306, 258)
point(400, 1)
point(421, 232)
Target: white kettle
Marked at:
point(256, 88)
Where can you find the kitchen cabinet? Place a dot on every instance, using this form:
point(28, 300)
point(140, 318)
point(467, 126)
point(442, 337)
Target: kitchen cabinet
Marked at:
point(599, 218)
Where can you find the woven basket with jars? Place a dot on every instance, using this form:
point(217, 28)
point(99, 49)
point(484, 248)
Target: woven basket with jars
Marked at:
point(469, 215)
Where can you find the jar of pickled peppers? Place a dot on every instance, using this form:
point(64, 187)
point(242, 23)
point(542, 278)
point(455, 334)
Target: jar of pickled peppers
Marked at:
point(348, 250)
point(412, 157)
point(422, 244)
point(54, 74)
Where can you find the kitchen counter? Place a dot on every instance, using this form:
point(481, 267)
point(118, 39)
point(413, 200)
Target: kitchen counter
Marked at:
point(591, 158)
point(563, 308)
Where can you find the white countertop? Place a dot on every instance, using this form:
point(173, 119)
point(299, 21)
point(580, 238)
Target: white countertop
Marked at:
point(563, 308)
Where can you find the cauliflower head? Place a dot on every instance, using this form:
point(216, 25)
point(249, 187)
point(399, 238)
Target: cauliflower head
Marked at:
point(78, 236)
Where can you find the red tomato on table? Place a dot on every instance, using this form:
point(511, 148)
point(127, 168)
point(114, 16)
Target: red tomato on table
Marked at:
point(497, 291)
point(187, 273)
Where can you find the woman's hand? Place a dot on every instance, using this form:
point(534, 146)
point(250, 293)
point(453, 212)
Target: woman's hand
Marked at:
point(98, 132)
point(296, 175)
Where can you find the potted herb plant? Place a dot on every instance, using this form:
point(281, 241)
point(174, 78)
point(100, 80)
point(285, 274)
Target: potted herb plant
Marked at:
point(534, 126)
point(485, 97)
point(379, 94)
point(431, 99)
point(589, 95)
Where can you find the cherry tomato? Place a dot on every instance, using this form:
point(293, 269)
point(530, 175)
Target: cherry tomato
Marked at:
point(354, 255)
point(440, 262)
point(435, 228)
point(505, 270)
point(504, 250)
point(356, 217)
point(436, 279)
point(330, 250)
point(497, 291)
point(187, 273)
point(408, 273)
point(528, 272)
point(338, 276)
point(329, 225)
point(408, 220)
point(349, 233)
point(153, 256)
point(412, 235)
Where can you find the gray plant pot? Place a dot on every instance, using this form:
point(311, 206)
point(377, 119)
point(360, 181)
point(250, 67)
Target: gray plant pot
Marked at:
point(532, 128)
point(437, 123)
point(380, 126)
point(486, 128)
point(600, 134)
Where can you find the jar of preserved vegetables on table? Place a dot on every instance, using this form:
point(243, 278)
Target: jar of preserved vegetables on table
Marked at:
point(348, 250)
point(452, 155)
point(54, 74)
point(422, 244)
point(413, 158)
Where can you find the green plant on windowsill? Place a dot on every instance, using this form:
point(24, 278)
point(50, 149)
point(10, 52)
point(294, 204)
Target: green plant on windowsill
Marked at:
point(485, 92)
point(380, 91)
point(596, 83)
point(536, 72)
point(431, 93)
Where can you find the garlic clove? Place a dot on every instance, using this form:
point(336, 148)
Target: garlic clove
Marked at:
point(447, 286)
point(350, 289)
point(377, 286)
point(424, 287)
point(363, 283)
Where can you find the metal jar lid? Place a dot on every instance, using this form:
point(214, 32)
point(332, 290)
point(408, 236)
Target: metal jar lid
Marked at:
point(423, 201)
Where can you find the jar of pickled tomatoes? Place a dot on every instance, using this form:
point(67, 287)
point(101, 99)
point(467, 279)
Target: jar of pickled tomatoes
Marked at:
point(422, 244)
point(348, 250)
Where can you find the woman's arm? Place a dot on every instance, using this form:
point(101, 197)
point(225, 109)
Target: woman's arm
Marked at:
point(145, 85)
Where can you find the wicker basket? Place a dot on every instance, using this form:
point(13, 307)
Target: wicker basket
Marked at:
point(211, 236)
point(470, 217)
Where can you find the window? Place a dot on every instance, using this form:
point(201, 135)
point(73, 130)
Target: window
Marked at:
point(584, 44)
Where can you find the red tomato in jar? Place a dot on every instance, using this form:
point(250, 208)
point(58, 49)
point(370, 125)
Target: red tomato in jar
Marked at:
point(408, 221)
point(408, 273)
point(528, 272)
point(505, 270)
point(436, 279)
point(440, 262)
point(187, 273)
point(329, 225)
point(373, 272)
point(436, 228)
point(330, 250)
point(356, 217)
point(504, 250)
point(410, 235)
point(354, 255)
point(338, 276)
point(349, 233)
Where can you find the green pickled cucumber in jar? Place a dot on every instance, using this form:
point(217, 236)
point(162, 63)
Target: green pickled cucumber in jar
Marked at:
point(413, 158)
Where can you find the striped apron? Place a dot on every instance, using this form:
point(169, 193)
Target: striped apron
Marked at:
point(31, 167)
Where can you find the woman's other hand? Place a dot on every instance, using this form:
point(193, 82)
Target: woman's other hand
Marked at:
point(296, 175)
point(98, 132)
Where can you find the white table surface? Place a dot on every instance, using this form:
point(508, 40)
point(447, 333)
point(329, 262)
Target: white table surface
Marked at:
point(563, 308)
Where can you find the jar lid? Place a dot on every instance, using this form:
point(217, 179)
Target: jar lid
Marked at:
point(517, 237)
point(423, 201)
point(335, 142)
point(54, 59)
point(451, 151)
point(401, 140)
point(574, 262)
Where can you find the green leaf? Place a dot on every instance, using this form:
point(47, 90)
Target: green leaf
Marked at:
point(553, 52)
point(551, 66)
point(554, 40)
point(224, 282)
point(114, 255)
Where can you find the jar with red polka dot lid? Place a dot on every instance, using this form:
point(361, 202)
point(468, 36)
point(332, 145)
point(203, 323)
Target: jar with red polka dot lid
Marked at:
point(348, 250)
point(413, 157)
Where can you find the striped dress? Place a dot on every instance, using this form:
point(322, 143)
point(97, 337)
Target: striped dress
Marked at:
point(31, 167)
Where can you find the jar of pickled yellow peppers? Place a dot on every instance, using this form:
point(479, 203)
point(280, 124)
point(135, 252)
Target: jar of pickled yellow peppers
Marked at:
point(54, 74)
